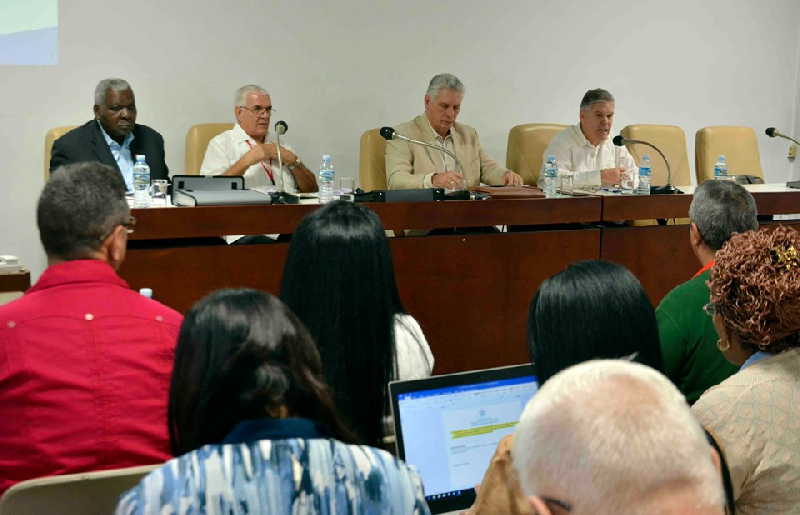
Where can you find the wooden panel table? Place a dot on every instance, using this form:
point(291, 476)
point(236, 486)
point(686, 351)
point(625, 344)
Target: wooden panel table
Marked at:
point(660, 256)
point(469, 292)
point(19, 281)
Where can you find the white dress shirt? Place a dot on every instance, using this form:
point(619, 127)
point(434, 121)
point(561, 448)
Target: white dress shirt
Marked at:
point(228, 147)
point(448, 163)
point(577, 156)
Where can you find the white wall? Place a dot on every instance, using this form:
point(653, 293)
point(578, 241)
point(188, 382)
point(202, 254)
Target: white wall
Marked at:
point(338, 68)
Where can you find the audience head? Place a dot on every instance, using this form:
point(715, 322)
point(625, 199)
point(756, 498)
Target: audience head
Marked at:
point(242, 354)
point(339, 279)
point(443, 102)
point(253, 108)
point(719, 210)
point(82, 214)
point(597, 115)
point(115, 107)
point(591, 310)
point(755, 293)
point(608, 437)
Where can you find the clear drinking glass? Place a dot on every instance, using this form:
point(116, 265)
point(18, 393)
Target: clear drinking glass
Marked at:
point(158, 192)
point(345, 187)
point(567, 186)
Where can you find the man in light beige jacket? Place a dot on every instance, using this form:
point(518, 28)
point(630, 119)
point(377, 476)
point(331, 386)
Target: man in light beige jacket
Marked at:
point(415, 166)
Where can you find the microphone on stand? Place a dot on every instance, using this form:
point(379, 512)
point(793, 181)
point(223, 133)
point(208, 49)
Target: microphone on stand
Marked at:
point(772, 132)
point(280, 196)
point(388, 133)
point(668, 189)
point(280, 129)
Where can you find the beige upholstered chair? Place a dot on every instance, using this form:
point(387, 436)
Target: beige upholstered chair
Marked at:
point(90, 493)
point(52, 135)
point(372, 161)
point(196, 142)
point(672, 142)
point(738, 144)
point(526, 146)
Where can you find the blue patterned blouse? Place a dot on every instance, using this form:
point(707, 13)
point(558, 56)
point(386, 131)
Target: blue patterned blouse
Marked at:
point(279, 466)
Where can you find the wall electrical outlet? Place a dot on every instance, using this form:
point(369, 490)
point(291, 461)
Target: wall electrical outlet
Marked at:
point(792, 152)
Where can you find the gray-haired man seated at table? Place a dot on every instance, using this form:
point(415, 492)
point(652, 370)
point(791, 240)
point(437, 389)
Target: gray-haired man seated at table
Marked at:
point(586, 152)
point(415, 166)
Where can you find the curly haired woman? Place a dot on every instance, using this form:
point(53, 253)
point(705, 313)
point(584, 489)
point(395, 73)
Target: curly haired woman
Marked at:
point(754, 415)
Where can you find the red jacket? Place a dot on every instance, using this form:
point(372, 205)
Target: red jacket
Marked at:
point(85, 364)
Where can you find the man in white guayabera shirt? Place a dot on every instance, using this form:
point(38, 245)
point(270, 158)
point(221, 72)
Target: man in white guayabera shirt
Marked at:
point(586, 152)
point(250, 150)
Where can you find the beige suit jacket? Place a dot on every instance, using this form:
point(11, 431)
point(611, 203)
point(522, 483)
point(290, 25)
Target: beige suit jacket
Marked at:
point(407, 164)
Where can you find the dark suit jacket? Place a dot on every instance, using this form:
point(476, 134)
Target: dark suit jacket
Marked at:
point(86, 143)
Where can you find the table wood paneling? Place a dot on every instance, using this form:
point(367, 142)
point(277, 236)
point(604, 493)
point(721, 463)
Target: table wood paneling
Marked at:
point(470, 293)
point(15, 282)
point(191, 222)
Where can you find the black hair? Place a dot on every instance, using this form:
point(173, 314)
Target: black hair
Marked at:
point(339, 279)
point(79, 205)
point(591, 310)
point(242, 354)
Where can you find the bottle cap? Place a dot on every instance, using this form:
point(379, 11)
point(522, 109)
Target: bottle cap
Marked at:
point(139, 157)
point(146, 292)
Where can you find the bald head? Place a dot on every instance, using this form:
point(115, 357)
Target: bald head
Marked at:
point(615, 437)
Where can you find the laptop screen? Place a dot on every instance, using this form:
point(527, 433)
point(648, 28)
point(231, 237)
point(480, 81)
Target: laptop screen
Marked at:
point(448, 427)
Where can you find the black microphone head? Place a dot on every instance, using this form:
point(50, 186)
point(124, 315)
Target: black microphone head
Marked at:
point(387, 133)
point(618, 140)
point(770, 132)
point(281, 127)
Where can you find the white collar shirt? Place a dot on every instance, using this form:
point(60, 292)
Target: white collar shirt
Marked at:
point(228, 147)
point(448, 163)
point(577, 156)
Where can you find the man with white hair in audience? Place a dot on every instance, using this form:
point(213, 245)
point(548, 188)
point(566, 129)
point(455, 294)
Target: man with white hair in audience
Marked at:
point(250, 150)
point(611, 437)
point(411, 166)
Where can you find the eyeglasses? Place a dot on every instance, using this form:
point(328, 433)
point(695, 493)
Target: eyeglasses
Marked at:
point(259, 110)
point(129, 224)
point(710, 309)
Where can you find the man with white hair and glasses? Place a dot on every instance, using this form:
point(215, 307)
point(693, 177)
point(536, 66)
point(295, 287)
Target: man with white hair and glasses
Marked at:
point(249, 149)
point(611, 437)
point(411, 166)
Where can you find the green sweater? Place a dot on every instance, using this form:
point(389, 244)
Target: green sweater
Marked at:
point(689, 340)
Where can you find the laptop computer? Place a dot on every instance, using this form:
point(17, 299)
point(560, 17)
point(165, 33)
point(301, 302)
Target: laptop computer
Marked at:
point(448, 427)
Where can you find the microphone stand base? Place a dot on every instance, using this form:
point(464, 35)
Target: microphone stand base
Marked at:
point(669, 189)
point(281, 197)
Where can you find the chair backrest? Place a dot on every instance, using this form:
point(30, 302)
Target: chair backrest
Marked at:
point(52, 135)
point(738, 144)
point(671, 140)
point(372, 161)
point(526, 146)
point(197, 141)
point(87, 493)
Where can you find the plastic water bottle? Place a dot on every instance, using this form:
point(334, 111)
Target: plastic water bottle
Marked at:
point(326, 178)
point(645, 170)
point(550, 177)
point(141, 182)
point(721, 169)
